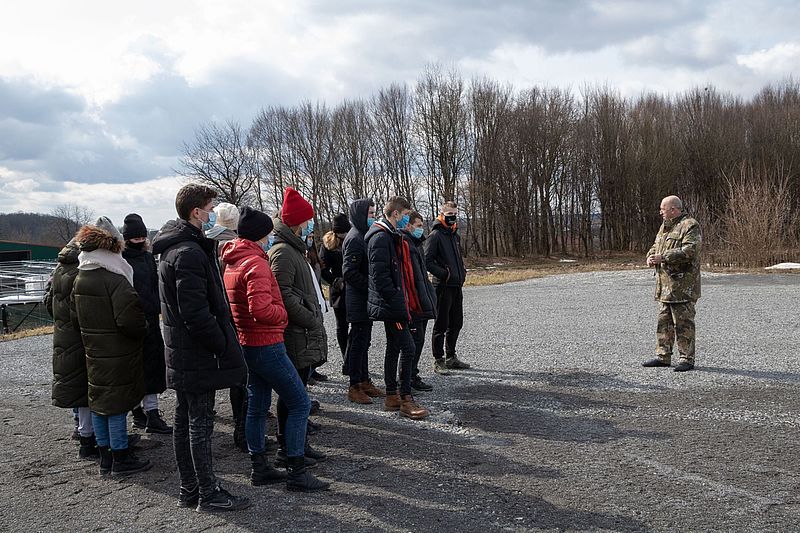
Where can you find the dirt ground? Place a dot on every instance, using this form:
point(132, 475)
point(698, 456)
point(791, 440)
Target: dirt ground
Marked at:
point(550, 430)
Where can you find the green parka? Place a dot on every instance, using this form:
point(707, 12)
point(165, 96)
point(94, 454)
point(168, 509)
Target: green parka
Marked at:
point(112, 323)
point(305, 337)
point(679, 242)
point(69, 360)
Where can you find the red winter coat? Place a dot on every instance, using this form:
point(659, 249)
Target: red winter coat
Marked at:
point(254, 295)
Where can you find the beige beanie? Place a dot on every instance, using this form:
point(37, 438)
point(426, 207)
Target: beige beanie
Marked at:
point(227, 215)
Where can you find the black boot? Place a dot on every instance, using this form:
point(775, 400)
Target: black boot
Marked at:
point(156, 423)
point(106, 460)
point(239, 437)
point(281, 459)
point(88, 449)
point(317, 455)
point(300, 479)
point(139, 417)
point(126, 463)
point(264, 473)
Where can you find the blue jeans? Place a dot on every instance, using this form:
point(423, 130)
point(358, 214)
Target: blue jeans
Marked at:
point(111, 430)
point(269, 368)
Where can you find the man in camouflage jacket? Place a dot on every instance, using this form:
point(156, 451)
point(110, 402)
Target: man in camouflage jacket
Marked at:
point(676, 258)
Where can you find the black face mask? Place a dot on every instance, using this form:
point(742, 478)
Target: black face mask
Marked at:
point(450, 219)
point(135, 245)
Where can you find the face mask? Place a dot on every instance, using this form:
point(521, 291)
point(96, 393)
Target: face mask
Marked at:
point(417, 233)
point(308, 230)
point(135, 245)
point(403, 222)
point(212, 219)
point(370, 221)
point(267, 245)
point(450, 219)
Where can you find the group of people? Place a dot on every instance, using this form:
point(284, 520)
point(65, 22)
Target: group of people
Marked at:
point(238, 296)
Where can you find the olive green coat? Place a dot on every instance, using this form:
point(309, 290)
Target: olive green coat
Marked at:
point(305, 337)
point(679, 242)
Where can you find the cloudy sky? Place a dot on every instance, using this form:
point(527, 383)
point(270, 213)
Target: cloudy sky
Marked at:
point(96, 97)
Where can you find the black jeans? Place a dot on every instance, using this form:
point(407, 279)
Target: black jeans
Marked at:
point(194, 423)
point(449, 320)
point(358, 351)
point(342, 327)
point(399, 342)
point(418, 329)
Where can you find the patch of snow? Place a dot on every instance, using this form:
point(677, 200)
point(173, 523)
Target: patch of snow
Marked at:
point(784, 266)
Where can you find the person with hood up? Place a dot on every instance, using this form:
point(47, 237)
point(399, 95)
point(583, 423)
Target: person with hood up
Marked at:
point(70, 387)
point(203, 354)
point(305, 338)
point(260, 319)
point(393, 300)
point(147, 416)
point(355, 271)
point(105, 307)
point(330, 254)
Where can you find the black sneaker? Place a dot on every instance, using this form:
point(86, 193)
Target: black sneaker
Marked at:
point(684, 366)
point(655, 363)
point(440, 367)
point(189, 497)
point(156, 423)
point(456, 364)
point(220, 501)
point(316, 376)
point(139, 417)
point(419, 385)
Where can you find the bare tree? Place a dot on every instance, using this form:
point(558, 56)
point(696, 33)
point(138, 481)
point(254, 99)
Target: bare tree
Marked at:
point(68, 219)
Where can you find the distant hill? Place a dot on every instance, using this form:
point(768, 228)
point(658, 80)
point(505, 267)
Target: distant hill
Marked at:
point(33, 228)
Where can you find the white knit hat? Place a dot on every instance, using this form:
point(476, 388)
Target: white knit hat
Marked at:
point(227, 215)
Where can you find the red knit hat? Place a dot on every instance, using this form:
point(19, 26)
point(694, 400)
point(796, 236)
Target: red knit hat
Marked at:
point(295, 209)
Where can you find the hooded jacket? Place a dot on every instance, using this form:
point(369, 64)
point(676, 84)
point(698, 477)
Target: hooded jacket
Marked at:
point(145, 281)
point(305, 337)
point(387, 299)
point(443, 256)
point(355, 264)
point(425, 291)
point(69, 359)
point(106, 307)
point(254, 295)
point(202, 349)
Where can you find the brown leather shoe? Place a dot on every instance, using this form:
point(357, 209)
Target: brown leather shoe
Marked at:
point(356, 395)
point(392, 402)
point(409, 408)
point(371, 390)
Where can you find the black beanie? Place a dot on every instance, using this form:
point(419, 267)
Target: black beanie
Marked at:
point(133, 227)
point(341, 224)
point(253, 225)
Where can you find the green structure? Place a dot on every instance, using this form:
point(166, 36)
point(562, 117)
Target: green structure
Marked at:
point(20, 251)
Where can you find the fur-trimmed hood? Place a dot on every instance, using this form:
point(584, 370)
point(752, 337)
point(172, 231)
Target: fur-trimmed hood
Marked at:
point(101, 249)
point(92, 238)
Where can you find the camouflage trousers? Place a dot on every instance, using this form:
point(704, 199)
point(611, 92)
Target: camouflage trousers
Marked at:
point(675, 323)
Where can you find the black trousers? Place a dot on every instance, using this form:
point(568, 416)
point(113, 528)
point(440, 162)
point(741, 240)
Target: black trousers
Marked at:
point(194, 424)
point(342, 330)
point(399, 343)
point(449, 320)
point(418, 329)
point(358, 351)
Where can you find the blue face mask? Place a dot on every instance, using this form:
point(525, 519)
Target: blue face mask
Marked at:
point(370, 221)
point(212, 219)
point(267, 245)
point(403, 222)
point(308, 230)
point(417, 233)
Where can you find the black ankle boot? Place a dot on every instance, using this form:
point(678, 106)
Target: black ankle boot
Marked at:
point(317, 455)
point(139, 417)
point(88, 449)
point(126, 463)
point(106, 460)
point(281, 459)
point(264, 473)
point(156, 423)
point(300, 479)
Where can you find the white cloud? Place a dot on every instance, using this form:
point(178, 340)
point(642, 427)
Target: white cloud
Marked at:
point(781, 60)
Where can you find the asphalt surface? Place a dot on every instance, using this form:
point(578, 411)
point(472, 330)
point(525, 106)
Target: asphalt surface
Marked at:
point(557, 427)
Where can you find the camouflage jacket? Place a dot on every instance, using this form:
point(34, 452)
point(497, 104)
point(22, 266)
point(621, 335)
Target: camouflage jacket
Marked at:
point(678, 276)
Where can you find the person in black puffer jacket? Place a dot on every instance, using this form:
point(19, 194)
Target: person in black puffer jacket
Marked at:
point(444, 261)
point(392, 299)
point(355, 271)
point(330, 253)
point(145, 280)
point(203, 353)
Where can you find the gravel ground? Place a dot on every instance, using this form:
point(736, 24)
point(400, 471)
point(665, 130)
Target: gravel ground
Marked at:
point(557, 427)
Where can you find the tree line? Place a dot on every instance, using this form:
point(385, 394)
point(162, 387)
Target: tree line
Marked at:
point(536, 171)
